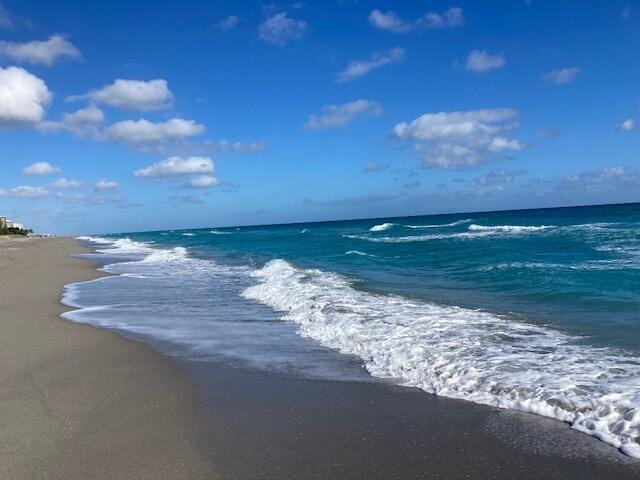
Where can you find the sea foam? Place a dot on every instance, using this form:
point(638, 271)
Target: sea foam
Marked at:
point(462, 353)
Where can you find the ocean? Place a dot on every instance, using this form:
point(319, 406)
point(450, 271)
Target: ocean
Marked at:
point(531, 310)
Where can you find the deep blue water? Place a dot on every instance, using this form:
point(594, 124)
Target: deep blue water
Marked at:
point(536, 310)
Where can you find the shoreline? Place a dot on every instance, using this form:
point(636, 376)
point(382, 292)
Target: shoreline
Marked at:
point(77, 401)
point(80, 401)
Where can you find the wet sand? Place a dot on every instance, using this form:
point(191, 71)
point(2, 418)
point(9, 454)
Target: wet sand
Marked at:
point(262, 425)
point(77, 402)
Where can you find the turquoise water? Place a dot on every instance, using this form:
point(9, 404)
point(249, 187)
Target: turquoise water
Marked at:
point(535, 310)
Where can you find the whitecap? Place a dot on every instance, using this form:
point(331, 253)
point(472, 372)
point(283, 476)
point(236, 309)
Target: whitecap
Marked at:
point(382, 227)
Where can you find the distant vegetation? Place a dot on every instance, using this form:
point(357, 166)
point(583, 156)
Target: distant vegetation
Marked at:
point(14, 231)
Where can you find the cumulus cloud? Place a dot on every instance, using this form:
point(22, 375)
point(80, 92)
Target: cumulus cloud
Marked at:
point(391, 22)
point(374, 167)
point(63, 183)
point(481, 61)
point(176, 166)
point(359, 68)
point(145, 135)
point(41, 168)
point(280, 29)
point(228, 22)
point(23, 97)
point(40, 52)
point(131, 95)
point(627, 125)
point(106, 185)
point(562, 76)
point(461, 139)
point(202, 181)
point(84, 122)
point(24, 192)
point(334, 116)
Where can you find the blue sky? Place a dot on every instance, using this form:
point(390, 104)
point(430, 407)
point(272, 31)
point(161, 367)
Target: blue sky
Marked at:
point(122, 116)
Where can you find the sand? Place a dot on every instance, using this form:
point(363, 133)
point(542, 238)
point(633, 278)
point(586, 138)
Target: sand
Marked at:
point(77, 402)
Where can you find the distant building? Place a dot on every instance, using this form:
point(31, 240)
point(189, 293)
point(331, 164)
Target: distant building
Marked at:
point(3, 222)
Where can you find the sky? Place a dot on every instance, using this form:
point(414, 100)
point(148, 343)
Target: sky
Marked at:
point(130, 116)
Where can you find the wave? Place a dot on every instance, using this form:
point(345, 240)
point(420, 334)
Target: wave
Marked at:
point(442, 225)
point(218, 232)
point(188, 234)
point(382, 227)
point(462, 353)
point(508, 228)
point(304, 230)
point(420, 238)
point(358, 252)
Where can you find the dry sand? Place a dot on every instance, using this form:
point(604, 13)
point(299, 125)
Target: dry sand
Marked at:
point(77, 402)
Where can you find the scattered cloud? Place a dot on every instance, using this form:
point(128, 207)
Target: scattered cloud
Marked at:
point(85, 122)
point(599, 180)
point(562, 76)
point(335, 116)
point(390, 21)
point(40, 52)
point(481, 61)
point(41, 168)
point(24, 192)
point(627, 125)
point(176, 166)
point(226, 146)
point(359, 68)
point(202, 181)
point(149, 136)
point(131, 95)
point(228, 23)
point(461, 139)
point(191, 199)
point(63, 183)
point(495, 177)
point(374, 167)
point(280, 29)
point(106, 185)
point(359, 201)
point(23, 97)
point(547, 133)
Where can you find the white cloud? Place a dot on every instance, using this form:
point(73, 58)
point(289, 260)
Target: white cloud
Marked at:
point(562, 76)
point(131, 95)
point(390, 21)
point(481, 61)
point(62, 183)
point(628, 125)
point(601, 180)
point(41, 168)
point(24, 192)
point(333, 116)
point(143, 134)
point(176, 166)
point(359, 68)
point(374, 167)
point(85, 122)
point(498, 176)
point(280, 28)
point(105, 185)
point(226, 146)
point(228, 23)
point(202, 181)
point(23, 97)
point(461, 139)
point(40, 52)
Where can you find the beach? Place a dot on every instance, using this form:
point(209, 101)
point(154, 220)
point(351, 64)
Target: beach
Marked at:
point(77, 402)
point(81, 402)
